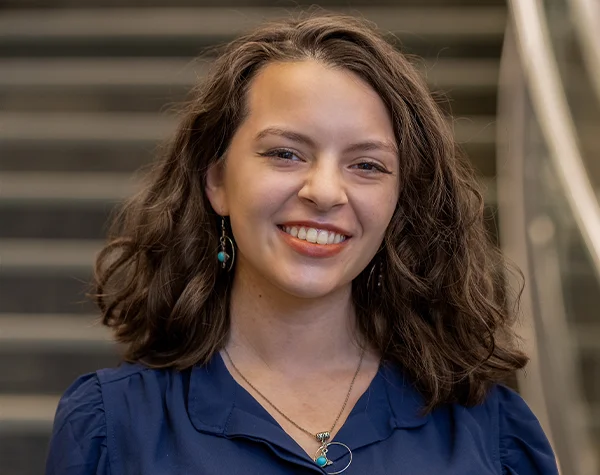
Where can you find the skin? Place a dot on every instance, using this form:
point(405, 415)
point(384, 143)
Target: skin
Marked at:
point(291, 312)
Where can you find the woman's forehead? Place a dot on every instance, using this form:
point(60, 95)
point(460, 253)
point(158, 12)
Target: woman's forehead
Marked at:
point(310, 95)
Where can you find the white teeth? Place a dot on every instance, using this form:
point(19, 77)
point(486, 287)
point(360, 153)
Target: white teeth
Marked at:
point(314, 235)
point(311, 235)
point(322, 237)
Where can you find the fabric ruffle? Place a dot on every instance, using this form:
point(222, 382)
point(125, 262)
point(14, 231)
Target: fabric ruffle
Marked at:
point(524, 448)
point(78, 444)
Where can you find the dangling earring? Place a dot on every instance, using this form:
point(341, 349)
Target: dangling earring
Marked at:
point(379, 276)
point(222, 255)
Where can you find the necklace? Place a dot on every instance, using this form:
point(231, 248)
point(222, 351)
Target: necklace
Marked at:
point(320, 457)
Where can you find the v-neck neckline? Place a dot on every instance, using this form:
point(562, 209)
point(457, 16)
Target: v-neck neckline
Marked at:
point(218, 404)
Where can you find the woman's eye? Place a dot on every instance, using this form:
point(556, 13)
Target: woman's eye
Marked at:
point(371, 167)
point(282, 154)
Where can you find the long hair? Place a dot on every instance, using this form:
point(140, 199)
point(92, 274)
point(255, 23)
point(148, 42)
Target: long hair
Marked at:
point(439, 313)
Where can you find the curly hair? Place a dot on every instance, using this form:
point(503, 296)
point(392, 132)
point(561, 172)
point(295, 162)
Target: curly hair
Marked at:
point(440, 313)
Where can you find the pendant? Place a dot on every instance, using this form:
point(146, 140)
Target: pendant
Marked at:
point(321, 455)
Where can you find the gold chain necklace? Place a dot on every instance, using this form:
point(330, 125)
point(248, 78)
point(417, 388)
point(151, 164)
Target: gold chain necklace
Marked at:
point(322, 437)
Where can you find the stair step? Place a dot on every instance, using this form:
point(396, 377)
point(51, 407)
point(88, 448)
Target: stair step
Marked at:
point(69, 73)
point(150, 127)
point(94, 73)
point(44, 353)
point(46, 276)
point(55, 219)
point(22, 451)
point(46, 290)
point(84, 127)
point(49, 367)
point(236, 3)
point(52, 331)
point(44, 187)
point(22, 255)
point(134, 23)
point(148, 84)
point(465, 31)
point(30, 411)
point(60, 205)
point(125, 141)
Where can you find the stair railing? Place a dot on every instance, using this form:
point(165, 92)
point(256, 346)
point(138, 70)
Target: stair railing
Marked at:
point(586, 16)
point(530, 85)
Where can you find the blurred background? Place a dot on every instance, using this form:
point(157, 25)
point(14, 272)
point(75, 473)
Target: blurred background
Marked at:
point(86, 95)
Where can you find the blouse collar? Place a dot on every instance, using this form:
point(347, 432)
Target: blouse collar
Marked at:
point(217, 404)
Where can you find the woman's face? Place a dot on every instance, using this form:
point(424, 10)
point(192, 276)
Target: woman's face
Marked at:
point(315, 160)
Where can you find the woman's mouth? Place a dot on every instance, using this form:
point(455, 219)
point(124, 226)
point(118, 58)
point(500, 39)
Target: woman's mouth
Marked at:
point(313, 242)
point(314, 235)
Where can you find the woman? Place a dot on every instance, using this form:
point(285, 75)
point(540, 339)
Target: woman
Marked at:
point(305, 285)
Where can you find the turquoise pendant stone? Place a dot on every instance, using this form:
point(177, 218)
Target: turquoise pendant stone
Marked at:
point(222, 256)
point(321, 461)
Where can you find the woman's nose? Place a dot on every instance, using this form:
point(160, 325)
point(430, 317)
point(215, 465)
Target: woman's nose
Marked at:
point(324, 186)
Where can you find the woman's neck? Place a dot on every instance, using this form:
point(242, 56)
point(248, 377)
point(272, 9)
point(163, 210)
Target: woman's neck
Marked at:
point(291, 333)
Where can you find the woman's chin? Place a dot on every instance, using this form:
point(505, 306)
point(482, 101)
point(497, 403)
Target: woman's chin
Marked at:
point(310, 290)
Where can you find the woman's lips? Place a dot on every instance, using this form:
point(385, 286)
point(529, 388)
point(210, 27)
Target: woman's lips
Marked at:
point(310, 249)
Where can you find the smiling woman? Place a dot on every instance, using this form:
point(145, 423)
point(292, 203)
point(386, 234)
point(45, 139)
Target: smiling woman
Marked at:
point(298, 160)
point(305, 285)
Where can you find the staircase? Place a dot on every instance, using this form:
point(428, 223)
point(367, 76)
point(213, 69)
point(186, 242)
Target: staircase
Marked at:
point(85, 92)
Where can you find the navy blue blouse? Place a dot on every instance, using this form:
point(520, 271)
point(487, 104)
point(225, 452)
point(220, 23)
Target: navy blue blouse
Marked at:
point(132, 420)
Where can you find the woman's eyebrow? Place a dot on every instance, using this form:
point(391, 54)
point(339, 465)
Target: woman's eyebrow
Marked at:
point(288, 134)
point(366, 146)
point(369, 145)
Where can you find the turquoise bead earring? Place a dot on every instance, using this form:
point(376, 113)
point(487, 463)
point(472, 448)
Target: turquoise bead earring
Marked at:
point(222, 256)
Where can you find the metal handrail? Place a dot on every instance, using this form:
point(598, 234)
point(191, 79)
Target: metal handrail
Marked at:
point(555, 120)
point(586, 15)
point(554, 389)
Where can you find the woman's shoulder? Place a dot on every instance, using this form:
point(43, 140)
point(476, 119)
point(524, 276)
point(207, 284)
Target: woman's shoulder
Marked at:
point(128, 380)
point(94, 404)
point(86, 391)
point(522, 445)
point(79, 434)
point(504, 410)
point(82, 400)
point(124, 371)
point(85, 395)
point(504, 427)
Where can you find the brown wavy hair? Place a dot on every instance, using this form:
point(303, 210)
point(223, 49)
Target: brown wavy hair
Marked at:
point(441, 311)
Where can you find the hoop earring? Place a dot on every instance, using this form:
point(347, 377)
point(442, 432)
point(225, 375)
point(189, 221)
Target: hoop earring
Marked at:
point(222, 256)
point(379, 276)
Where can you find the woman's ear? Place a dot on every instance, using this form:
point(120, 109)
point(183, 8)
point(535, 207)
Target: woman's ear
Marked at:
point(215, 188)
